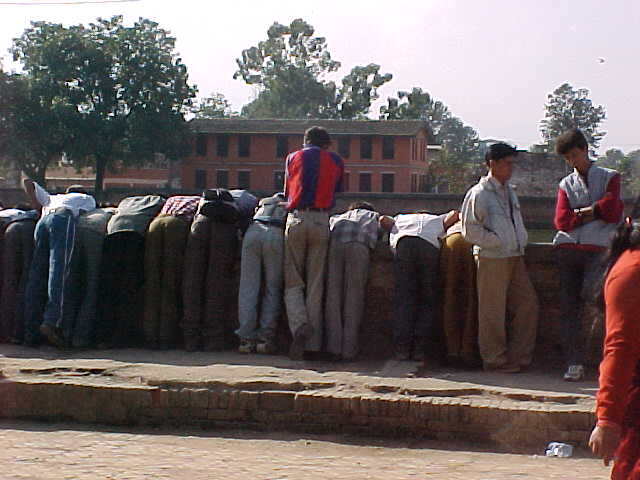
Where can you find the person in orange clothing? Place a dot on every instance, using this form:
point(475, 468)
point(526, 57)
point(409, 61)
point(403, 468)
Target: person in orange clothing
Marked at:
point(617, 432)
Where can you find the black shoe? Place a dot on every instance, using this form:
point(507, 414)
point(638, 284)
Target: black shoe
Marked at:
point(51, 335)
point(296, 350)
point(247, 346)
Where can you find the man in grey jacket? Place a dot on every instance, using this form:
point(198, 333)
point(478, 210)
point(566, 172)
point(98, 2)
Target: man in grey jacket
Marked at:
point(492, 221)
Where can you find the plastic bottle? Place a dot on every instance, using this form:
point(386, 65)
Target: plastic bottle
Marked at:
point(561, 450)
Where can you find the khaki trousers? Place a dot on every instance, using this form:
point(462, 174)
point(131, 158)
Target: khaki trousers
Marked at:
point(504, 288)
point(459, 297)
point(166, 241)
point(306, 244)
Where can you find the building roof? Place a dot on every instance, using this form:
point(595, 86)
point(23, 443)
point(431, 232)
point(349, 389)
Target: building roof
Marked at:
point(297, 127)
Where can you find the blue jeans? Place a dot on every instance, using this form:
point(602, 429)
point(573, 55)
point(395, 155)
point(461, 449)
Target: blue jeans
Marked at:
point(44, 296)
point(261, 270)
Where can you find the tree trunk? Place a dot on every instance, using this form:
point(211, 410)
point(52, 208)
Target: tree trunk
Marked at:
point(101, 164)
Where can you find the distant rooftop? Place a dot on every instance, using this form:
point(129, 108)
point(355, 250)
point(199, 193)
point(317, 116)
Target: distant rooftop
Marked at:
point(297, 127)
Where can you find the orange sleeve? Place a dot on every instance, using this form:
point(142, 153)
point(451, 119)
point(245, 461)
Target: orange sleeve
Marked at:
point(622, 341)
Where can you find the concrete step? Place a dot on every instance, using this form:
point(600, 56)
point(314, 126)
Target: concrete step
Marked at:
point(93, 391)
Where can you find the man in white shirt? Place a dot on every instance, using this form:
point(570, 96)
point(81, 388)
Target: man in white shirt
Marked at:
point(54, 239)
point(415, 241)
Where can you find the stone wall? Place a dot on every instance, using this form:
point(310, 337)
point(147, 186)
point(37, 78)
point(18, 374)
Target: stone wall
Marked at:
point(378, 321)
point(538, 174)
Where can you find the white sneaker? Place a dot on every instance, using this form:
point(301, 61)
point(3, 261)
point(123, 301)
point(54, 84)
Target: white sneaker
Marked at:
point(574, 373)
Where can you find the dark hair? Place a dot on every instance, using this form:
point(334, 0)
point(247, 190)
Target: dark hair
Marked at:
point(362, 206)
point(498, 151)
point(76, 189)
point(569, 140)
point(627, 237)
point(317, 136)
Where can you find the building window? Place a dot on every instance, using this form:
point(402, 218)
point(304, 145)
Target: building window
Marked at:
point(244, 179)
point(388, 148)
point(222, 145)
point(201, 179)
point(346, 182)
point(414, 182)
point(222, 178)
point(282, 146)
point(244, 145)
point(424, 184)
point(201, 144)
point(387, 182)
point(278, 181)
point(365, 182)
point(366, 147)
point(344, 146)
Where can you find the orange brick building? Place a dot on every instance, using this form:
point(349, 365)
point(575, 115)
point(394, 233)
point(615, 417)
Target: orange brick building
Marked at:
point(380, 156)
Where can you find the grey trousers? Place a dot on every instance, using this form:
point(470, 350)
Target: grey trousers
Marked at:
point(261, 271)
point(306, 244)
point(346, 289)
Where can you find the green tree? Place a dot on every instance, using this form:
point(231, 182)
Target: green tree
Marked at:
point(32, 126)
point(568, 108)
point(460, 142)
point(128, 86)
point(213, 106)
point(628, 165)
point(358, 91)
point(290, 70)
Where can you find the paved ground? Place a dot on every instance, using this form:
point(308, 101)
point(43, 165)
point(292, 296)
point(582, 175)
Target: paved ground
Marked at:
point(43, 452)
point(181, 367)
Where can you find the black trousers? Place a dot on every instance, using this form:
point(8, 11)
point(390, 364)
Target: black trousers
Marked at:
point(121, 299)
point(18, 252)
point(416, 297)
point(580, 274)
point(209, 284)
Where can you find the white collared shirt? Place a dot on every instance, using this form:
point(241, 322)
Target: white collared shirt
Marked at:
point(71, 201)
point(423, 225)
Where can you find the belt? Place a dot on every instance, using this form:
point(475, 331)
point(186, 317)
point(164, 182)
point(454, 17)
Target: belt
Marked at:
point(275, 223)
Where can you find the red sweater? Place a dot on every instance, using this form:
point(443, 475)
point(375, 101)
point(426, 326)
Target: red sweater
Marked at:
point(619, 395)
point(608, 209)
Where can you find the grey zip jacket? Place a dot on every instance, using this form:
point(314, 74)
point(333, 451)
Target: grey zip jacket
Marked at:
point(493, 224)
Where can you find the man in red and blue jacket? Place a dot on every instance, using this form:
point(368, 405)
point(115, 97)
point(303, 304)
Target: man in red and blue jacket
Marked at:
point(313, 176)
point(588, 210)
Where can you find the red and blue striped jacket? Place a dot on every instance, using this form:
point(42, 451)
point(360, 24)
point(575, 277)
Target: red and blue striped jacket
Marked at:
point(312, 177)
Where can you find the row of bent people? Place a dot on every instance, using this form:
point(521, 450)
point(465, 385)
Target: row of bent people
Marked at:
point(159, 272)
point(84, 276)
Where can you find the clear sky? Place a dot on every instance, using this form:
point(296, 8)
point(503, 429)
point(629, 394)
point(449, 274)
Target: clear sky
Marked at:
point(491, 61)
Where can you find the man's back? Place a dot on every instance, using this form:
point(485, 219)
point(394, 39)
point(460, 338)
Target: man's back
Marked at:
point(313, 176)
